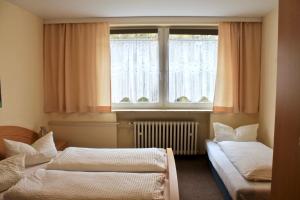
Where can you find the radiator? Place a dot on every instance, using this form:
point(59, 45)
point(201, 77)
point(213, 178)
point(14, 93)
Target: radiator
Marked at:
point(181, 136)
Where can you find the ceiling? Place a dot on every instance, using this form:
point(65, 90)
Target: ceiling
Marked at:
point(58, 9)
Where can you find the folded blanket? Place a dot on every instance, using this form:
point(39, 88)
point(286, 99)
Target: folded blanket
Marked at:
point(64, 185)
point(252, 159)
point(111, 160)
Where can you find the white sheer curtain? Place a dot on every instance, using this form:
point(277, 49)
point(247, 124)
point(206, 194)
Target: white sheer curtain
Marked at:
point(135, 67)
point(192, 67)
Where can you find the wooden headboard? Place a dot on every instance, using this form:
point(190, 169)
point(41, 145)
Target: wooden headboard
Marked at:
point(17, 134)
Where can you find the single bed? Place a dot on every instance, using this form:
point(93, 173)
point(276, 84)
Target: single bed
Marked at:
point(236, 185)
point(27, 136)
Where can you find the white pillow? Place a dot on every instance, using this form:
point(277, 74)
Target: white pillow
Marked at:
point(246, 133)
point(223, 132)
point(243, 133)
point(41, 151)
point(11, 171)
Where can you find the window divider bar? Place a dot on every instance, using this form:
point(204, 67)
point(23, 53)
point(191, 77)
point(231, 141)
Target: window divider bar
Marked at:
point(166, 67)
point(164, 60)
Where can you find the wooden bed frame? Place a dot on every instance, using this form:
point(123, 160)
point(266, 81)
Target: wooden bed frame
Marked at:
point(172, 176)
point(27, 136)
point(17, 134)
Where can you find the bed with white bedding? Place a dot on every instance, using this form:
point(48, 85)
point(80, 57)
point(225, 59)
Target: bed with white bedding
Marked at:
point(41, 184)
point(252, 159)
point(156, 179)
point(72, 177)
point(238, 187)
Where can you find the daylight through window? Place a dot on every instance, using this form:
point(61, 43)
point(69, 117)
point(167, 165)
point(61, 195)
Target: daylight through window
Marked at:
point(163, 68)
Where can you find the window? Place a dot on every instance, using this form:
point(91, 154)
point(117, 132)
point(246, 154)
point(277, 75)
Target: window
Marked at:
point(192, 65)
point(135, 66)
point(163, 67)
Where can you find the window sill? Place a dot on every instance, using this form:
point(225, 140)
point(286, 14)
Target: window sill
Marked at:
point(161, 110)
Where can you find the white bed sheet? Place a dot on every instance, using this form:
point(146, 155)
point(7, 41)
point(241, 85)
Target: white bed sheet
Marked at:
point(57, 184)
point(252, 159)
point(30, 170)
point(238, 187)
point(111, 160)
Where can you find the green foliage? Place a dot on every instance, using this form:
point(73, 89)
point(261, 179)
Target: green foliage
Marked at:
point(182, 99)
point(204, 99)
point(125, 100)
point(143, 100)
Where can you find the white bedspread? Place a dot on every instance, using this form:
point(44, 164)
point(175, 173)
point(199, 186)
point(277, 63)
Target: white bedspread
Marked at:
point(252, 159)
point(111, 160)
point(49, 185)
point(238, 187)
point(28, 172)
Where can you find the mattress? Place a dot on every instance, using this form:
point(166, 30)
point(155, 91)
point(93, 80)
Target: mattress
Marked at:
point(238, 187)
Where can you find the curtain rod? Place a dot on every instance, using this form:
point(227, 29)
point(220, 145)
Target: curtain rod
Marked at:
point(163, 21)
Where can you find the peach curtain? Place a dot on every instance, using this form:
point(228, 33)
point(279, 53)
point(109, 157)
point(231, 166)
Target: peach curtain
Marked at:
point(77, 67)
point(238, 73)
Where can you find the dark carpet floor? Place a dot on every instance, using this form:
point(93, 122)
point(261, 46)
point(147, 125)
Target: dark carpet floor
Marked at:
point(195, 179)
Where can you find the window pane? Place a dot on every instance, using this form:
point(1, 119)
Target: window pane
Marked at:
point(192, 68)
point(135, 68)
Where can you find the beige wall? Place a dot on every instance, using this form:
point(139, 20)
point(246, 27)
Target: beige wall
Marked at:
point(21, 65)
point(86, 133)
point(100, 117)
point(268, 78)
point(85, 130)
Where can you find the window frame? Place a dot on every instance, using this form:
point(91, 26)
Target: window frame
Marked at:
point(163, 59)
